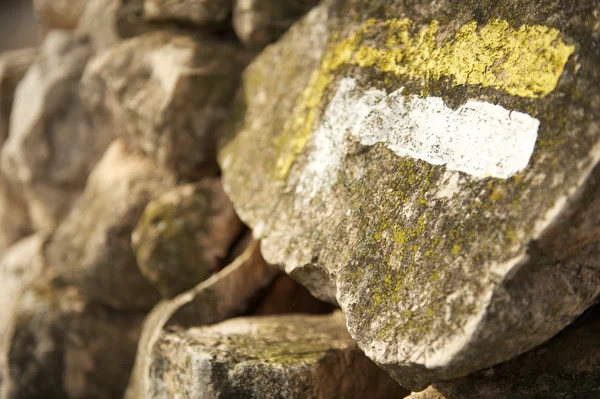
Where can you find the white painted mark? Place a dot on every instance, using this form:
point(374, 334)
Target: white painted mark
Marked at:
point(478, 138)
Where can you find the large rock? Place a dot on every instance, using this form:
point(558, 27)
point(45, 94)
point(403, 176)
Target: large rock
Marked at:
point(106, 22)
point(52, 144)
point(260, 22)
point(58, 14)
point(203, 13)
point(287, 357)
point(224, 295)
point(63, 346)
point(169, 94)
point(567, 366)
point(13, 207)
point(92, 247)
point(183, 236)
point(21, 264)
point(432, 168)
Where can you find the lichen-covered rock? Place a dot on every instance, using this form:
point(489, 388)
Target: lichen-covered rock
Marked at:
point(430, 166)
point(92, 247)
point(63, 346)
point(169, 95)
point(224, 295)
point(203, 13)
point(183, 236)
point(58, 14)
point(106, 22)
point(567, 366)
point(260, 22)
point(289, 357)
point(19, 266)
point(52, 145)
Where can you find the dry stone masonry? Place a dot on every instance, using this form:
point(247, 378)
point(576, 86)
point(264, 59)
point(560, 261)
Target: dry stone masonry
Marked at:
point(301, 199)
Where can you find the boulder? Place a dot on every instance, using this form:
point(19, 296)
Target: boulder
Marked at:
point(52, 146)
point(184, 235)
point(58, 14)
point(201, 13)
point(261, 22)
point(169, 95)
point(224, 295)
point(431, 167)
point(567, 366)
point(64, 346)
point(106, 22)
point(92, 247)
point(289, 357)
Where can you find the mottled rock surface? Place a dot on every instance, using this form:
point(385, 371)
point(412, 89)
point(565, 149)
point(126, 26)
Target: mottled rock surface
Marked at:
point(58, 14)
point(287, 357)
point(52, 145)
point(431, 167)
point(203, 13)
point(92, 247)
point(169, 95)
point(63, 346)
point(183, 236)
point(224, 295)
point(260, 22)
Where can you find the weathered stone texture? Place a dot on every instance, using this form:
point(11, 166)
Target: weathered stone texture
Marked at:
point(447, 252)
point(58, 14)
point(92, 247)
point(168, 94)
point(183, 237)
point(203, 13)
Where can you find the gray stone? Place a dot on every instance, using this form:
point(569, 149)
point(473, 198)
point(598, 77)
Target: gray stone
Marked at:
point(169, 94)
point(566, 367)
point(58, 14)
point(260, 22)
point(63, 346)
point(92, 247)
point(106, 22)
point(183, 236)
point(202, 13)
point(224, 295)
point(289, 357)
point(52, 145)
point(442, 192)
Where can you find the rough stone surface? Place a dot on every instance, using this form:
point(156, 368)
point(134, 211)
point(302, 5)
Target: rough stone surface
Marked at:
point(566, 367)
point(260, 22)
point(58, 14)
point(52, 145)
point(63, 346)
point(106, 22)
point(224, 295)
point(198, 12)
point(449, 252)
point(13, 208)
point(288, 357)
point(183, 236)
point(92, 247)
point(19, 266)
point(169, 94)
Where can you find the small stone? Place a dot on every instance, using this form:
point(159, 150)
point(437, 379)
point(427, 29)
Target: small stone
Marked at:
point(294, 356)
point(472, 176)
point(183, 236)
point(92, 247)
point(169, 94)
point(260, 22)
point(202, 13)
point(52, 146)
point(58, 14)
point(63, 346)
point(224, 295)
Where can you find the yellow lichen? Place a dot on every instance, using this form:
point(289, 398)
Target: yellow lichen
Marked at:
point(525, 62)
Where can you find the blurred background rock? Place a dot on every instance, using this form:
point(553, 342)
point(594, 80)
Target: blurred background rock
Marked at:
point(17, 24)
